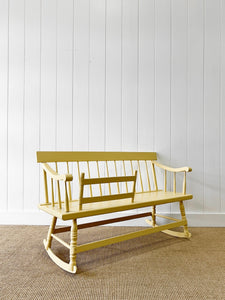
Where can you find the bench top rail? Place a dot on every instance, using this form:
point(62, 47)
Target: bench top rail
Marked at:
point(67, 156)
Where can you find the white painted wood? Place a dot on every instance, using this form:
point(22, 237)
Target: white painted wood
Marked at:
point(97, 75)
point(195, 117)
point(222, 112)
point(81, 74)
point(212, 90)
point(48, 75)
point(48, 105)
point(65, 55)
point(113, 75)
point(16, 106)
point(179, 35)
point(4, 102)
point(146, 75)
point(129, 74)
point(31, 102)
point(116, 75)
point(162, 79)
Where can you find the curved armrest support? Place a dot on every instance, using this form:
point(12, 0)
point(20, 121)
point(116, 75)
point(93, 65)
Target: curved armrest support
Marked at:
point(176, 170)
point(53, 174)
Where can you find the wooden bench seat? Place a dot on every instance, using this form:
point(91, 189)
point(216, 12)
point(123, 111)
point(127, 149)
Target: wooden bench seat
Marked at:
point(97, 183)
point(92, 209)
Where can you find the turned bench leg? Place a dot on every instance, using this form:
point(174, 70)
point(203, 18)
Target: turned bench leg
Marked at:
point(71, 266)
point(50, 231)
point(73, 244)
point(182, 211)
point(185, 234)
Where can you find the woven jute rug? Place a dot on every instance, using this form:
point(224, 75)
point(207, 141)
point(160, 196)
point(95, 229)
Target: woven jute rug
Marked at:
point(157, 266)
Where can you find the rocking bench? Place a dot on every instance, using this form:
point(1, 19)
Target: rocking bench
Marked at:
point(135, 187)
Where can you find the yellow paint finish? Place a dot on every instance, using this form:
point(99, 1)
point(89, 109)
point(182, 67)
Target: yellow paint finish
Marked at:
point(53, 174)
point(176, 170)
point(141, 200)
point(52, 156)
point(73, 209)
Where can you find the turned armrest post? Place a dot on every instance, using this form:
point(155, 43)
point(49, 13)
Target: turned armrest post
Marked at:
point(66, 199)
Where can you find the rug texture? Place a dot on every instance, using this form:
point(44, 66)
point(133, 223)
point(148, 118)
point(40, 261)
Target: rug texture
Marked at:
point(157, 266)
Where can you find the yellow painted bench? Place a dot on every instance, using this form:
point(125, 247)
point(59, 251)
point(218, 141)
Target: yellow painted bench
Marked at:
point(85, 184)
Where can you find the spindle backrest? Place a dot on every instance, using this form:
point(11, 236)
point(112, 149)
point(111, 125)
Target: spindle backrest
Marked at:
point(113, 164)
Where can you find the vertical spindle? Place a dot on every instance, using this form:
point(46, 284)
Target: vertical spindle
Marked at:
point(89, 175)
point(46, 187)
point(184, 184)
point(149, 187)
point(52, 187)
point(100, 187)
point(78, 171)
point(124, 170)
point(174, 182)
point(68, 171)
point(134, 186)
point(107, 171)
point(165, 181)
point(58, 187)
point(131, 164)
point(139, 169)
point(118, 188)
point(154, 176)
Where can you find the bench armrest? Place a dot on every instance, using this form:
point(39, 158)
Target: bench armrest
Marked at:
point(53, 174)
point(175, 170)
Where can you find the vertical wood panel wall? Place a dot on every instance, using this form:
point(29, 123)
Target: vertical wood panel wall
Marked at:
point(132, 75)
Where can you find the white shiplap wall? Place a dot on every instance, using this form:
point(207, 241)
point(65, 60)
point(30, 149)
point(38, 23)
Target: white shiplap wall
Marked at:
point(135, 75)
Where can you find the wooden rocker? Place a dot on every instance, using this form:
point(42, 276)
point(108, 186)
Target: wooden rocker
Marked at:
point(108, 194)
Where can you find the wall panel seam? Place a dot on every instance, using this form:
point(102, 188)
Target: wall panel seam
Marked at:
point(72, 79)
point(138, 70)
point(7, 133)
point(204, 13)
point(220, 107)
point(121, 107)
point(24, 96)
point(105, 79)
